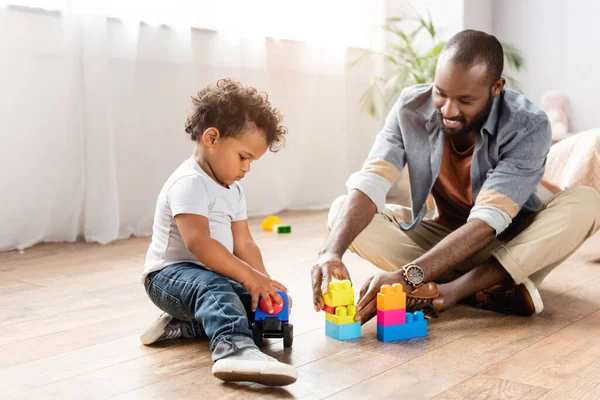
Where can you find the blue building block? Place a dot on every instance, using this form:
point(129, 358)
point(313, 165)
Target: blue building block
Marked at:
point(342, 332)
point(283, 315)
point(415, 326)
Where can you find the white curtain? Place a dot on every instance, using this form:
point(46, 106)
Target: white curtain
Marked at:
point(92, 108)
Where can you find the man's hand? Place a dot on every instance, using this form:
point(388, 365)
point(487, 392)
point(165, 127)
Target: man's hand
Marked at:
point(367, 302)
point(328, 266)
point(258, 284)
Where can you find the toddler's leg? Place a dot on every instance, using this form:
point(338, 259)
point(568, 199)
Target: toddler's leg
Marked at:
point(196, 293)
point(174, 322)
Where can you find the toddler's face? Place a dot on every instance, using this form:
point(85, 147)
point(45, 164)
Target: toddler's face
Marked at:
point(232, 157)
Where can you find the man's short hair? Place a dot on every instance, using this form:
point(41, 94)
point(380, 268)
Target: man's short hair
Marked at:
point(471, 47)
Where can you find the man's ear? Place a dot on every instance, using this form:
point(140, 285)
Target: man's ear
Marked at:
point(498, 86)
point(210, 137)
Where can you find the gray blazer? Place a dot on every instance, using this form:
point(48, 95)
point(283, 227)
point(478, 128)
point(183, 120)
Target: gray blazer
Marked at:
point(508, 160)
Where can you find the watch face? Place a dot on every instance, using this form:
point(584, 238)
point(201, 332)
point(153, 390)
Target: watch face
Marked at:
point(415, 274)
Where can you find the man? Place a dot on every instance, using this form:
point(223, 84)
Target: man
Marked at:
point(480, 150)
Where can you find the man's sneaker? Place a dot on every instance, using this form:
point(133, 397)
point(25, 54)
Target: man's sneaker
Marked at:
point(251, 365)
point(426, 298)
point(165, 327)
point(523, 299)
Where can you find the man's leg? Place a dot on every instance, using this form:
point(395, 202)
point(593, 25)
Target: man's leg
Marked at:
point(387, 246)
point(556, 232)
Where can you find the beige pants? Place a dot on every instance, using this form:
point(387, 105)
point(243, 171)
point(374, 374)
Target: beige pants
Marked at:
point(531, 247)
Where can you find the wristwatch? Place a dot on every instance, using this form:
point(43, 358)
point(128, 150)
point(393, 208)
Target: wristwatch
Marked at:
point(413, 274)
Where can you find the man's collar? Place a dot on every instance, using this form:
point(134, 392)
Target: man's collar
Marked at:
point(491, 123)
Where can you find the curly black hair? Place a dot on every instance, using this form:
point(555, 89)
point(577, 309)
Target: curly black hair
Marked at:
point(228, 106)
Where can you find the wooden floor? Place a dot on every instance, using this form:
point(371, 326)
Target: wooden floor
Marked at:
point(71, 315)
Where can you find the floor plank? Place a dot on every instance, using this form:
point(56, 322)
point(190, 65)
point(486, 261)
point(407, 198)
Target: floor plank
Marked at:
point(444, 367)
point(71, 315)
point(585, 385)
point(72, 339)
point(488, 388)
point(553, 360)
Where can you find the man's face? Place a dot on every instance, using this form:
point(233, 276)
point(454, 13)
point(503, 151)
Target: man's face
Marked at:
point(463, 96)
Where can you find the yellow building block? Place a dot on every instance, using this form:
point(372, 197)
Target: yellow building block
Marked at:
point(391, 297)
point(343, 315)
point(340, 294)
point(270, 222)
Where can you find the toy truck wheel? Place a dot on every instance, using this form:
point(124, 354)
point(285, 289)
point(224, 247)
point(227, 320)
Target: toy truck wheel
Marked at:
point(288, 335)
point(257, 333)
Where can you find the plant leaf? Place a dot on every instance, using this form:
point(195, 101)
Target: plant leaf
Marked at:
point(513, 57)
point(412, 62)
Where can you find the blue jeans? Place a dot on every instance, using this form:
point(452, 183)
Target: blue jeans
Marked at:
point(206, 303)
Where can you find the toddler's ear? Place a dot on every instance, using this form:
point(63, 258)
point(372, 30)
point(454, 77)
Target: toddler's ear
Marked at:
point(210, 136)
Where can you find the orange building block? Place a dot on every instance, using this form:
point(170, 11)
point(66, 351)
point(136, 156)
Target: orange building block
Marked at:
point(328, 309)
point(391, 297)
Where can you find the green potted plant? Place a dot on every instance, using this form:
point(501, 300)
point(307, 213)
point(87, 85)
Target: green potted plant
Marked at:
point(409, 63)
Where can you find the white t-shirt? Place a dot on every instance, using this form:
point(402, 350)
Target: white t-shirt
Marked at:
point(189, 190)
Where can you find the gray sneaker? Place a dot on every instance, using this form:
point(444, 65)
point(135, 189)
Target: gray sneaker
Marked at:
point(165, 327)
point(252, 365)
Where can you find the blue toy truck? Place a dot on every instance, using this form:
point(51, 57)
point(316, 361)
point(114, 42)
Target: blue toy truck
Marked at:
point(275, 324)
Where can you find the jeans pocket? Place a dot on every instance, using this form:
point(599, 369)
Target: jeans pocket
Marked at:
point(169, 303)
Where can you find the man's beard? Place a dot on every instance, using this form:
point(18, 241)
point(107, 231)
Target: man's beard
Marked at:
point(475, 125)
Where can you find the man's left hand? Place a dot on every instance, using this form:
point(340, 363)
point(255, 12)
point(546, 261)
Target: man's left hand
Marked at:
point(367, 302)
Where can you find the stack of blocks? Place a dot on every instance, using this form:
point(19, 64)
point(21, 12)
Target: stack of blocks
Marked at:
point(393, 322)
point(340, 311)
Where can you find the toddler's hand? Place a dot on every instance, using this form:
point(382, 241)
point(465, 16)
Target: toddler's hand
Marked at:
point(258, 284)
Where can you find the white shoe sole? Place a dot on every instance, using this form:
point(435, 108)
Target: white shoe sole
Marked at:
point(538, 304)
point(156, 330)
point(270, 373)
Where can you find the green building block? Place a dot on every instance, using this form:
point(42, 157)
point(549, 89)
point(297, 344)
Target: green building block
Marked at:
point(284, 229)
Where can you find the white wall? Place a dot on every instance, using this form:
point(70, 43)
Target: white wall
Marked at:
point(478, 15)
point(561, 44)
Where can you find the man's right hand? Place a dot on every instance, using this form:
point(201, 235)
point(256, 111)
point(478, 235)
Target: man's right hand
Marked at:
point(328, 266)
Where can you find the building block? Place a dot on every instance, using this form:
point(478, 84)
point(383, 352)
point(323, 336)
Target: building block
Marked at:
point(328, 309)
point(282, 228)
point(343, 315)
point(340, 294)
point(342, 332)
point(391, 297)
point(283, 315)
point(416, 326)
point(391, 317)
point(270, 222)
